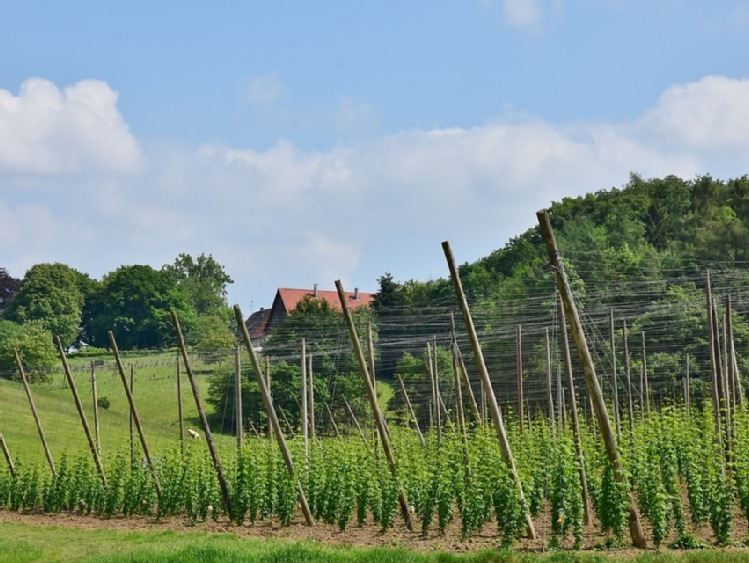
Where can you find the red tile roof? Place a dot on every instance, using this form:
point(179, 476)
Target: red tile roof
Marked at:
point(291, 298)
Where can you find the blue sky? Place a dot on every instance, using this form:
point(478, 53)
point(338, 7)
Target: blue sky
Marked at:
point(301, 143)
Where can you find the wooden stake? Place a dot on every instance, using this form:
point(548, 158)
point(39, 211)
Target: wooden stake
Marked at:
point(132, 431)
point(39, 428)
point(519, 372)
point(8, 458)
point(179, 411)
point(379, 419)
point(79, 406)
point(311, 399)
point(594, 388)
point(134, 413)
point(714, 358)
point(271, 412)
point(644, 386)
point(411, 412)
point(238, 396)
point(549, 389)
point(95, 401)
point(487, 388)
point(628, 378)
point(614, 382)
point(305, 418)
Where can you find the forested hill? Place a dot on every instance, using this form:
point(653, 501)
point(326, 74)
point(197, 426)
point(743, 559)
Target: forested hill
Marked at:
point(641, 250)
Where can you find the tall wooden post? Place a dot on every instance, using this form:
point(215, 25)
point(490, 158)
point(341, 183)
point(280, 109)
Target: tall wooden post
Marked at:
point(714, 357)
point(594, 388)
point(95, 401)
point(628, 377)
point(519, 373)
point(491, 399)
point(686, 385)
point(79, 406)
point(134, 413)
point(614, 382)
point(201, 413)
point(8, 458)
point(180, 414)
point(271, 412)
point(35, 414)
point(305, 419)
point(379, 419)
point(311, 405)
point(644, 386)
point(573, 411)
point(238, 396)
point(738, 394)
point(132, 422)
point(549, 386)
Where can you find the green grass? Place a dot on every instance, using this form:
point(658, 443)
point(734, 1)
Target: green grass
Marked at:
point(32, 543)
point(155, 395)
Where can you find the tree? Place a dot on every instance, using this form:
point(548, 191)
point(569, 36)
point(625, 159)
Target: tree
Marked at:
point(134, 302)
point(9, 286)
point(34, 345)
point(52, 294)
point(203, 281)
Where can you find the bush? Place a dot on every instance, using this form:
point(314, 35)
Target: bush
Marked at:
point(103, 402)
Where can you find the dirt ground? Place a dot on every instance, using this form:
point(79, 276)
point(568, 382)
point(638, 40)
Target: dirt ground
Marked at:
point(366, 536)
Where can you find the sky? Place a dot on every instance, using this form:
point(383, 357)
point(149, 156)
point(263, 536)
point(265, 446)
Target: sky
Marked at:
point(300, 143)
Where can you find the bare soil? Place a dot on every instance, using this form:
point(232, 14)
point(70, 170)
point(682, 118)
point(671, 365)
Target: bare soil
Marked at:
point(365, 536)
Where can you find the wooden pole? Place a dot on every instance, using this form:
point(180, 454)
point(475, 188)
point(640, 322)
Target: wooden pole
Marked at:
point(305, 417)
point(519, 372)
point(39, 428)
point(95, 401)
point(714, 357)
point(411, 412)
point(201, 413)
point(379, 419)
point(594, 388)
point(463, 372)
point(353, 417)
point(81, 413)
point(686, 385)
point(8, 458)
point(614, 382)
point(738, 394)
point(728, 380)
point(134, 413)
point(238, 396)
point(436, 420)
point(487, 388)
point(311, 399)
point(628, 378)
point(549, 385)
point(132, 430)
point(644, 386)
point(179, 411)
point(271, 412)
point(332, 421)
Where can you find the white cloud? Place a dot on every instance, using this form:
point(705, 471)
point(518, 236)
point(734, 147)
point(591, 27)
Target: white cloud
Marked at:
point(290, 217)
point(49, 131)
point(523, 14)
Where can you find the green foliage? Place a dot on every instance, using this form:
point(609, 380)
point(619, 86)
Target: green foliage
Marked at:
point(203, 281)
point(34, 345)
point(53, 295)
point(134, 303)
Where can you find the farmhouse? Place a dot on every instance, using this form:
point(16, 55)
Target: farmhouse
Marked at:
point(262, 322)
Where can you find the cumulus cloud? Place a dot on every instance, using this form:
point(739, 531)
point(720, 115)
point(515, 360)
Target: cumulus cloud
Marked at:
point(285, 216)
point(45, 130)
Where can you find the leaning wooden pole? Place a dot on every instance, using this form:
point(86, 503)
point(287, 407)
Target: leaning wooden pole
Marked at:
point(573, 410)
point(39, 428)
point(271, 412)
point(92, 443)
point(486, 385)
point(411, 412)
point(379, 419)
point(8, 458)
point(201, 413)
point(594, 388)
point(134, 414)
